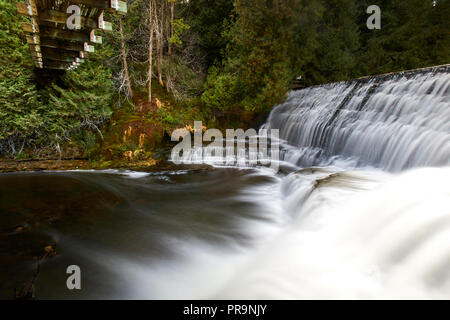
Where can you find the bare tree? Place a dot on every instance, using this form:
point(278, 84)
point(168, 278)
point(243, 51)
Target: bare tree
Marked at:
point(124, 60)
point(159, 17)
point(151, 21)
point(169, 53)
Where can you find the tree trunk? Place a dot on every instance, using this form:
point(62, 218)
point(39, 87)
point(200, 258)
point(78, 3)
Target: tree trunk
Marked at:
point(124, 60)
point(159, 42)
point(169, 53)
point(150, 50)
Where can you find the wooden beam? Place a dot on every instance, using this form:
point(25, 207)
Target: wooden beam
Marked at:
point(36, 54)
point(94, 38)
point(66, 45)
point(48, 63)
point(102, 24)
point(102, 4)
point(57, 67)
point(120, 6)
point(34, 48)
point(88, 47)
point(55, 16)
point(30, 27)
point(61, 17)
point(61, 52)
point(33, 39)
point(56, 58)
point(26, 10)
point(64, 34)
point(32, 4)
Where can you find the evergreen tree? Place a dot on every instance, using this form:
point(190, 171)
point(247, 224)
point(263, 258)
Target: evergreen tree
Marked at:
point(83, 101)
point(335, 58)
point(413, 34)
point(207, 19)
point(19, 101)
point(269, 44)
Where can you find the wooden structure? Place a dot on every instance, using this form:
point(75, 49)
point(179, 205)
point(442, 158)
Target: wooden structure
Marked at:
point(61, 33)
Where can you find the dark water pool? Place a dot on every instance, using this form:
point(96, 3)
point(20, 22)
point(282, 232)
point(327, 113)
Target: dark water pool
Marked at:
point(128, 232)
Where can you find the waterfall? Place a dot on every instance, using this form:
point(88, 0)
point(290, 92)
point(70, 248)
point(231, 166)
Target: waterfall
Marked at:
point(360, 234)
point(392, 122)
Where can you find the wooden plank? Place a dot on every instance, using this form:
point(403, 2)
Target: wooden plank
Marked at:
point(56, 67)
point(84, 55)
point(26, 10)
point(36, 54)
point(61, 52)
point(94, 38)
point(53, 43)
point(28, 27)
point(61, 17)
point(102, 24)
point(107, 26)
point(58, 58)
point(34, 48)
point(48, 63)
point(101, 4)
point(64, 34)
point(33, 39)
point(120, 6)
point(88, 47)
point(34, 8)
point(123, 8)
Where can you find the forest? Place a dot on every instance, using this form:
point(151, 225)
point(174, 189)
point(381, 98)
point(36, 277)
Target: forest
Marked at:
point(225, 62)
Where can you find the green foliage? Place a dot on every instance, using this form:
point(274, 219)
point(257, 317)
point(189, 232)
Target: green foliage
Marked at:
point(336, 55)
point(221, 90)
point(19, 101)
point(413, 34)
point(178, 28)
point(272, 42)
point(263, 54)
point(206, 18)
point(83, 101)
point(168, 117)
point(186, 83)
point(80, 102)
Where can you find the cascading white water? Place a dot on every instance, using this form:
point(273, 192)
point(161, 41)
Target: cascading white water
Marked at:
point(390, 242)
point(390, 122)
point(365, 233)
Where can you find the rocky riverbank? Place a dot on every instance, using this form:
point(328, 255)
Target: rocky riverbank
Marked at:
point(65, 165)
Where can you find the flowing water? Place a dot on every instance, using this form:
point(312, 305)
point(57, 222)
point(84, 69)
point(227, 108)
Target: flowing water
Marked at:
point(360, 209)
